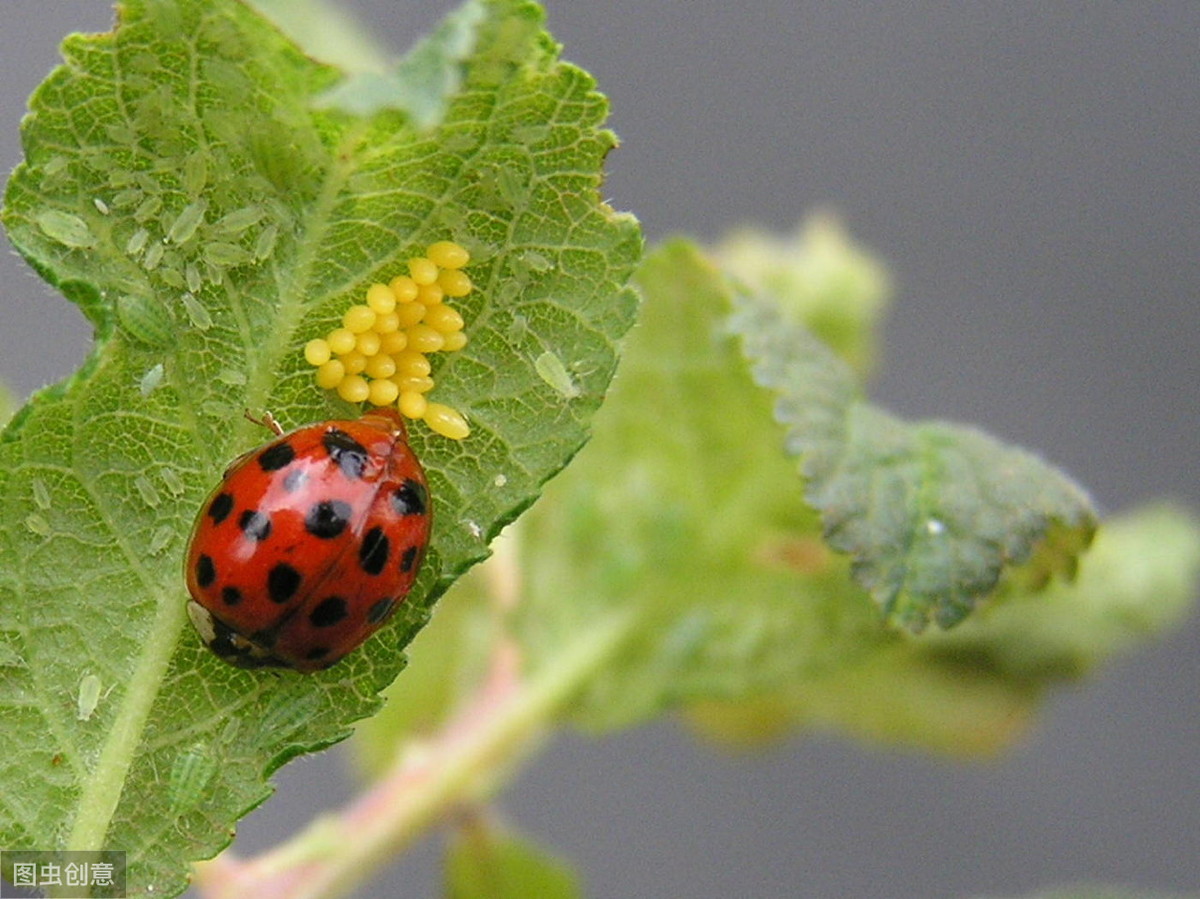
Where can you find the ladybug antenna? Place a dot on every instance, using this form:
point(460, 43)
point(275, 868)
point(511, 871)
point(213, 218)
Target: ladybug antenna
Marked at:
point(267, 421)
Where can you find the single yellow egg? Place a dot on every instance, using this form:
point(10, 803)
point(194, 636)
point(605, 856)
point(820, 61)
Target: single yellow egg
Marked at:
point(430, 294)
point(403, 288)
point(393, 342)
point(368, 343)
point(409, 314)
point(454, 283)
point(422, 270)
point(354, 389)
point(382, 393)
point(330, 374)
point(414, 384)
point(381, 366)
point(447, 254)
point(317, 352)
point(410, 363)
point(424, 339)
point(455, 341)
point(341, 340)
point(358, 319)
point(386, 323)
point(446, 421)
point(354, 361)
point(381, 299)
point(412, 404)
point(444, 319)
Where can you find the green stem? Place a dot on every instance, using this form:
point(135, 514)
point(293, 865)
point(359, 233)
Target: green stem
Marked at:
point(337, 852)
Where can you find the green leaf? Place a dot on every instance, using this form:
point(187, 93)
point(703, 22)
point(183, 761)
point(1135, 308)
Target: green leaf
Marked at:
point(1139, 579)
point(932, 514)
point(243, 221)
point(484, 862)
point(684, 517)
point(895, 696)
point(819, 277)
point(974, 690)
point(446, 660)
point(422, 83)
point(326, 31)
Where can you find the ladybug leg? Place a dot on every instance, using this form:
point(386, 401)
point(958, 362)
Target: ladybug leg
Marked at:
point(267, 421)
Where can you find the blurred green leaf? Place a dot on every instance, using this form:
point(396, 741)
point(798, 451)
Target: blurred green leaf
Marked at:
point(327, 31)
point(1139, 579)
point(820, 278)
point(684, 513)
point(933, 515)
point(486, 863)
point(422, 83)
point(893, 697)
point(973, 690)
point(181, 188)
point(446, 660)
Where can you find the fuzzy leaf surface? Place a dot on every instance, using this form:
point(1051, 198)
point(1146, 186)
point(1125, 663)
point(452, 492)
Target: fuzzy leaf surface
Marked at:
point(932, 514)
point(183, 188)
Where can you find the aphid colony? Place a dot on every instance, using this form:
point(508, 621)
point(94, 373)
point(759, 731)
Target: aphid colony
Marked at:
point(379, 355)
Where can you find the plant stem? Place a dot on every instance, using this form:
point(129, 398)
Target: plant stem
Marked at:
point(502, 724)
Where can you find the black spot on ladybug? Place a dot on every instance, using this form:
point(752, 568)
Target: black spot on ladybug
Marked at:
point(255, 525)
point(380, 610)
point(327, 518)
point(373, 551)
point(231, 595)
point(219, 508)
point(410, 498)
point(317, 652)
point(349, 455)
point(294, 480)
point(282, 582)
point(206, 571)
point(408, 559)
point(328, 612)
point(276, 457)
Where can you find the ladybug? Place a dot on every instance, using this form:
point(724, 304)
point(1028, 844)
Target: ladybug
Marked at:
point(309, 543)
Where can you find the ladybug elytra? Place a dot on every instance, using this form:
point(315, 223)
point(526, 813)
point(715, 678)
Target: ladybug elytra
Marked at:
point(309, 543)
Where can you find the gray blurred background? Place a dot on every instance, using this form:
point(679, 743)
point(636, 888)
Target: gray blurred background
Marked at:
point(1030, 173)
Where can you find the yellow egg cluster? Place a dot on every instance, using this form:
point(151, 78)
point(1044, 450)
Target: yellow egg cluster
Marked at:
point(380, 353)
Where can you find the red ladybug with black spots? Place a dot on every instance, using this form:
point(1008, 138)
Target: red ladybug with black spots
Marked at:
point(309, 543)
